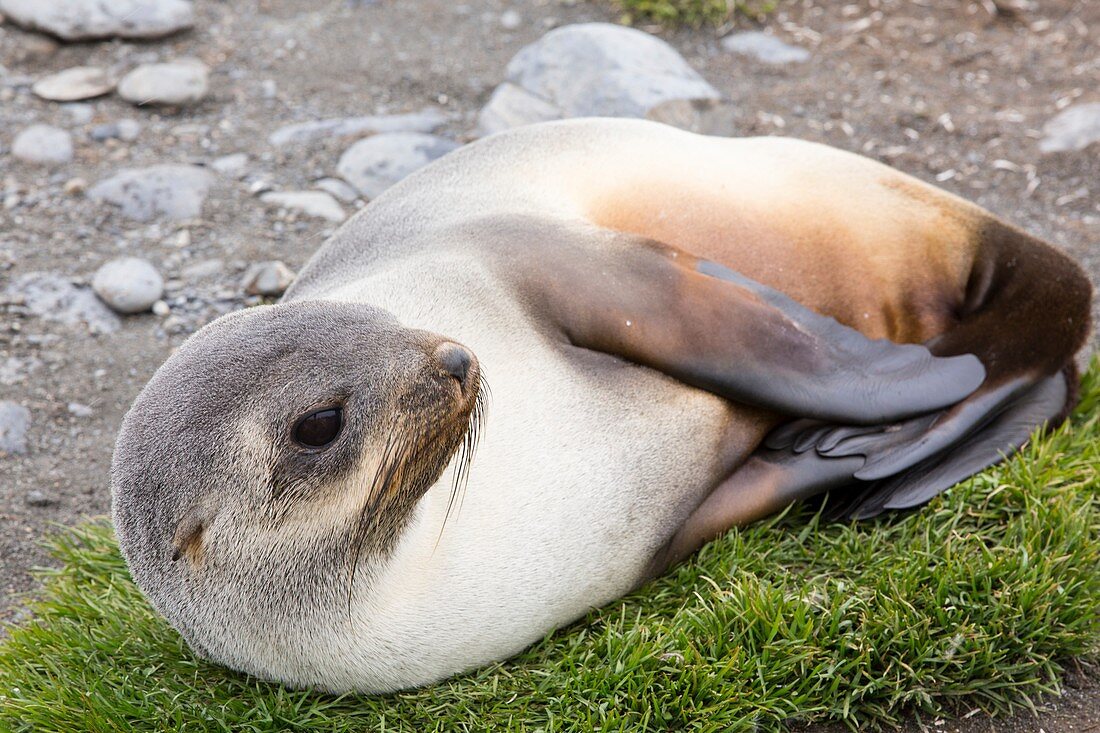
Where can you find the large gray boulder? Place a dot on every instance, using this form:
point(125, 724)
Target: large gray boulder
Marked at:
point(82, 20)
point(591, 70)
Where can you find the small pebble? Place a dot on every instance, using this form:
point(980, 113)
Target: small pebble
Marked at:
point(43, 145)
point(337, 188)
point(203, 270)
point(74, 186)
point(510, 20)
point(126, 130)
point(311, 203)
point(160, 308)
point(78, 409)
point(764, 47)
point(128, 284)
point(79, 112)
point(14, 421)
point(72, 85)
point(267, 278)
point(40, 499)
point(177, 84)
point(234, 165)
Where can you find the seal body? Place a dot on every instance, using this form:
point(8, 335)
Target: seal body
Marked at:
point(593, 459)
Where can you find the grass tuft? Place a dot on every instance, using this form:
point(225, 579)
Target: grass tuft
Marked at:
point(694, 13)
point(974, 601)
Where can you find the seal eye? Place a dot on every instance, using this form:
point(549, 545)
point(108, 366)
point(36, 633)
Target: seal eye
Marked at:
point(319, 428)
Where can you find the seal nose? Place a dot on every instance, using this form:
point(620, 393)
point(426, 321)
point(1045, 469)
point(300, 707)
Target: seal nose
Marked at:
point(454, 359)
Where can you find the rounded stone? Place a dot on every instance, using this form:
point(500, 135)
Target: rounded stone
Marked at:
point(267, 278)
point(43, 145)
point(374, 164)
point(72, 85)
point(128, 284)
point(83, 20)
point(176, 84)
point(14, 421)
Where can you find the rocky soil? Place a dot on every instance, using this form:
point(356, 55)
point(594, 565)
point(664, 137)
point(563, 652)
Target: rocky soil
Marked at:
point(187, 162)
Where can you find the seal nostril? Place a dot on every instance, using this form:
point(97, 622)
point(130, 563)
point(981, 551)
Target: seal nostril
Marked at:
point(454, 359)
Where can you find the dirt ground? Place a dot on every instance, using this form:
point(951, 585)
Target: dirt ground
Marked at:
point(947, 91)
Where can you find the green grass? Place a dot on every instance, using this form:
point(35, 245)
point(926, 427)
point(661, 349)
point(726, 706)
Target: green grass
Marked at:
point(975, 601)
point(693, 13)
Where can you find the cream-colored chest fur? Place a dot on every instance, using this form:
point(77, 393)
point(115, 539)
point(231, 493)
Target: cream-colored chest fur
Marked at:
point(586, 466)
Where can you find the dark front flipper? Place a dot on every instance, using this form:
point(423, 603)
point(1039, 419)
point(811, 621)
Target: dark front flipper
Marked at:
point(712, 328)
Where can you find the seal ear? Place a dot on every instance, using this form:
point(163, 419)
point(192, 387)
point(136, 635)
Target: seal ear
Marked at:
point(188, 538)
point(713, 328)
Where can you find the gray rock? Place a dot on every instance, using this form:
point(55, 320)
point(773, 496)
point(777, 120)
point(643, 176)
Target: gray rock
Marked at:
point(234, 165)
point(105, 131)
point(15, 370)
point(125, 129)
point(426, 120)
point(177, 83)
point(511, 106)
point(14, 421)
point(1073, 129)
point(40, 499)
point(204, 270)
point(79, 409)
point(593, 70)
point(81, 20)
point(54, 298)
point(267, 278)
point(704, 116)
point(72, 85)
point(81, 113)
point(172, 191)
point(510, 20)
point(128, 284)
point(374, 164)
point(337, 188)
point(764, 47)
point(311, 203)
point(43, 145)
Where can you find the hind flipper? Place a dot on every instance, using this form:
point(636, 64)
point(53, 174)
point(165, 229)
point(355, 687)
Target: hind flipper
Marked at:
point(790, 466)
point(1020, 415)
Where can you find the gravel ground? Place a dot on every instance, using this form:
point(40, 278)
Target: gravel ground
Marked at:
point(954, 93)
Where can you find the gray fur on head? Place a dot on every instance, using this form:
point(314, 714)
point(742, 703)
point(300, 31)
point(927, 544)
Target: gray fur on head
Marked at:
point(205, 454)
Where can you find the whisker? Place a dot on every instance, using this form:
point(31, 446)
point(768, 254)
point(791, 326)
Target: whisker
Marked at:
point(392, 457)
point(461, 475)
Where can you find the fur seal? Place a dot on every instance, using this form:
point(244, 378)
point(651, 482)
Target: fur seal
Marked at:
point(682, 334)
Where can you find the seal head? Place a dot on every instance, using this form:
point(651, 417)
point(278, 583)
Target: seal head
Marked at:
point(264, 474)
